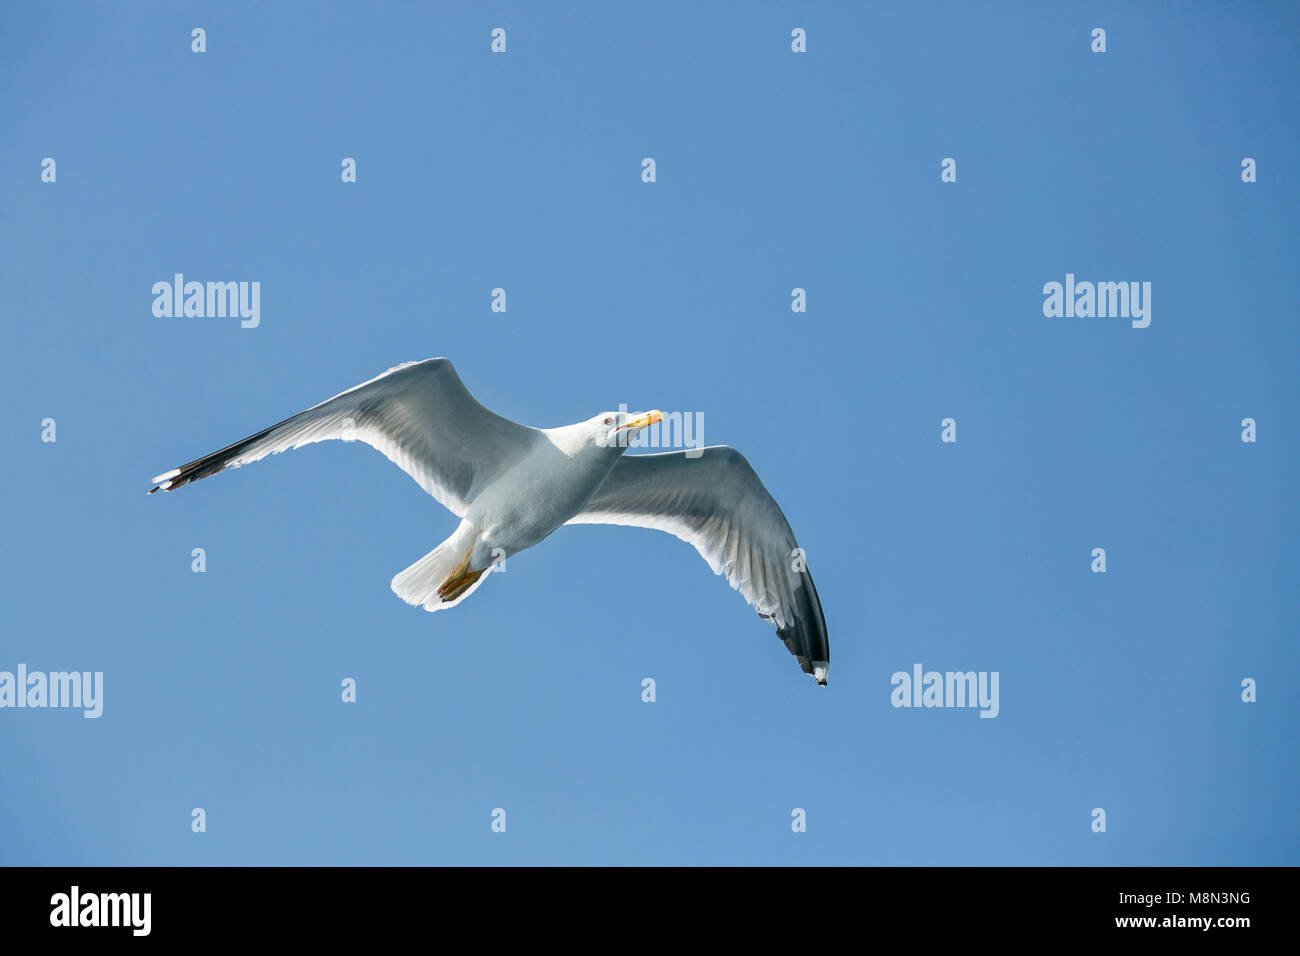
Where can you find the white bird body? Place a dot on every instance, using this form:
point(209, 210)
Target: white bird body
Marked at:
point(521, 508)
point(513, 485)
point(543, 491)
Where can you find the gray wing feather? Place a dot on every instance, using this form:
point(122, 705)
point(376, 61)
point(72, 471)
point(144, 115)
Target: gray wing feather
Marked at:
point(716, 503)
point(419, 415)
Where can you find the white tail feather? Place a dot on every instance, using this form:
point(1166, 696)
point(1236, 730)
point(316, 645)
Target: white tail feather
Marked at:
point(418, 584)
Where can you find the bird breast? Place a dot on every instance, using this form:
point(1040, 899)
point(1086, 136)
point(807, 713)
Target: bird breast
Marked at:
point(539, 494)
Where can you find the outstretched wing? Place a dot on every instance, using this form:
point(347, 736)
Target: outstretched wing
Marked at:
point(420, 415)
point(717, 503)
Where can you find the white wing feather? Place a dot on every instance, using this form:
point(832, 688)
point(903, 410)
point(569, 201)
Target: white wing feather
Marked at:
point(419, 415)
point(716, 503)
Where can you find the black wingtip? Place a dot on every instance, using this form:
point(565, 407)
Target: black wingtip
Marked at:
point(805, 637)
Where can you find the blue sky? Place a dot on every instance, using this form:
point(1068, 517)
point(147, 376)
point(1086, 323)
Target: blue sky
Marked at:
point(775, 170)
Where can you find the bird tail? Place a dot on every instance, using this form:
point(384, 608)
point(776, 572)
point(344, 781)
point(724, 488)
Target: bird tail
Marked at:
point(443, 577)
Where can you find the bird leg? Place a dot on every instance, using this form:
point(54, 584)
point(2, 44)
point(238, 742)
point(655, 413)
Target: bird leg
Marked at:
point(459, 581)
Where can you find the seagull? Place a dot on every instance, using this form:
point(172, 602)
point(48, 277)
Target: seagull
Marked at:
point(512, 485)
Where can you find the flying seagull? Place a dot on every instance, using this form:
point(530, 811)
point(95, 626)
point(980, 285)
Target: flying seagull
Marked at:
point(512, 485)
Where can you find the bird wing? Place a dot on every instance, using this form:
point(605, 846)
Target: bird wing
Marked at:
point(716, 503)
point(419, 414)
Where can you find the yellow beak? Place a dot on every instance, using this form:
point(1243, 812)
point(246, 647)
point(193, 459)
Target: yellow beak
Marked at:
point(644, 421)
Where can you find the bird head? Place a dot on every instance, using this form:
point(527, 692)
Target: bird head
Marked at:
point(617, 429)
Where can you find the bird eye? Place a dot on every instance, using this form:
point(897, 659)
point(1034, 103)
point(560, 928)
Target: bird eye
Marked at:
point(609, 421)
